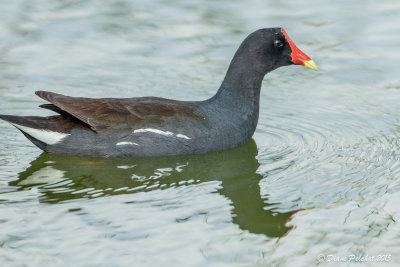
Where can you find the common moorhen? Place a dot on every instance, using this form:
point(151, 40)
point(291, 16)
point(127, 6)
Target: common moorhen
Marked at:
point(152, 126)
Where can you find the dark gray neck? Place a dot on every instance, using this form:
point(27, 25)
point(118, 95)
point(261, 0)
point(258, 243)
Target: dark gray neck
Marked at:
point(235, 107)
point(236, 104)
point(240, 89)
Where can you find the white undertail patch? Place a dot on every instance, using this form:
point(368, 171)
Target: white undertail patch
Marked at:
point(45, 136)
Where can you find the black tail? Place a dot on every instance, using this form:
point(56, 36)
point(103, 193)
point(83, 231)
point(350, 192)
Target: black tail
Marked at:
point(20, 120)
point(28, 122)
point(37, 129)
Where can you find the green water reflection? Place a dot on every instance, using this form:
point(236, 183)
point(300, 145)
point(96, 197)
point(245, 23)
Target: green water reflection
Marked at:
point(62, 178)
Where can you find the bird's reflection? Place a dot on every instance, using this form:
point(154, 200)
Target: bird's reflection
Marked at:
point(63, 178)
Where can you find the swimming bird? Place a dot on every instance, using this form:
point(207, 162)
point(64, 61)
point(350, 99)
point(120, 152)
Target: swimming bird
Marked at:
point(153, 126)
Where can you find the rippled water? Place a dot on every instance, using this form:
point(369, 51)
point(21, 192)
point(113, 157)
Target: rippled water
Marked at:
point(319, 182)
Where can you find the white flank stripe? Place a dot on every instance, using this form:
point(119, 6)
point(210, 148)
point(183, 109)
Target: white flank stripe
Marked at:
point(45, 136)
point(183, 136)
point(126, 143)
point(166, 133)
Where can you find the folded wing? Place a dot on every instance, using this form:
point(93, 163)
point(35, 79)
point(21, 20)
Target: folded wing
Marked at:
point(109, 114)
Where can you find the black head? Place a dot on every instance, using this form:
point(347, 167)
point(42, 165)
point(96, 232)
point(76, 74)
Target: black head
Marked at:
point(267, 49)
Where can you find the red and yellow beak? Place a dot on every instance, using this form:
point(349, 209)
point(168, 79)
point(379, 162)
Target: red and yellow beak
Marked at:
point(298, 57)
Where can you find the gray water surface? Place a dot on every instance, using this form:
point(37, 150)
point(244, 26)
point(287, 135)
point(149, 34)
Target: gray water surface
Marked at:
point(319, 182)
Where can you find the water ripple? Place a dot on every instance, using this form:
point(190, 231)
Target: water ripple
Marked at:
point(305, 155)
point(325, 180)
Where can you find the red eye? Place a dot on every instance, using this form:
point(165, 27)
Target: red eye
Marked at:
point(278, 43)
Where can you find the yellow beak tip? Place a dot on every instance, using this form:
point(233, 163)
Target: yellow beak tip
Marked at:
point(310, 64)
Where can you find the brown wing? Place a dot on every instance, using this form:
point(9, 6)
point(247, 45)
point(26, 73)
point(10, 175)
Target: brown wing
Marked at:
point(119, 113)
